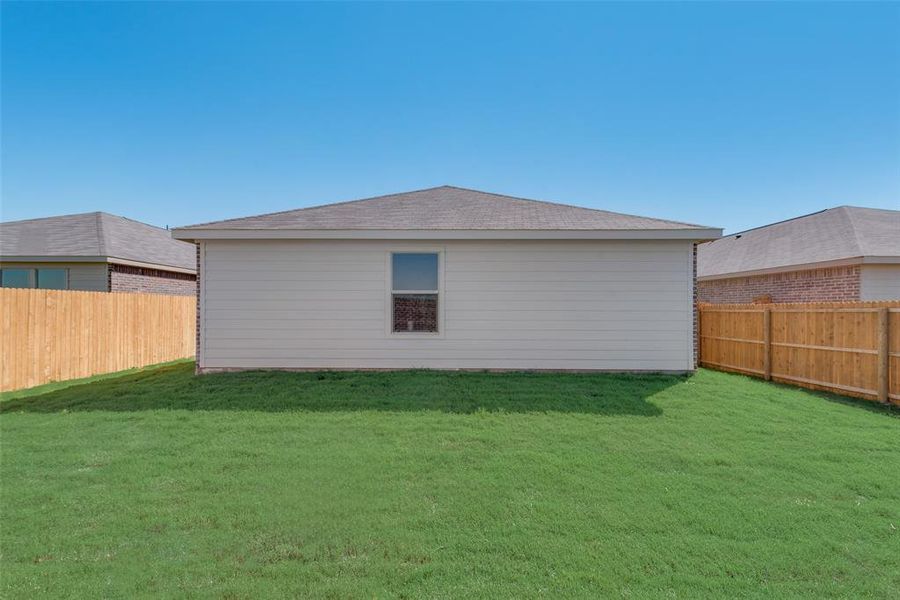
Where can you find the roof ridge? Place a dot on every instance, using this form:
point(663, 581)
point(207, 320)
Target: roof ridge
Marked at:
point(812, 214)
point(96, 213)
point(341, 203)
point(101, 238)
point(849, 217)
point(453, 187)
point(80, 214)
point(124, 218)
point(600, 210)
point(778, 222)
point(853, 208)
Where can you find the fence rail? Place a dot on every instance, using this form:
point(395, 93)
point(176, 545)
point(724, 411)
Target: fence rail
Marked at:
point(55, 335)
point(851, 348)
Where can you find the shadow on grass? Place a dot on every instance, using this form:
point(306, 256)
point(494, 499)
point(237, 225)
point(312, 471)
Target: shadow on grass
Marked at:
point(891, 410)
point(175, 387)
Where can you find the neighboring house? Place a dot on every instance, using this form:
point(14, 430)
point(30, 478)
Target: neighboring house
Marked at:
point(843, 253)
point(446, 278)
point(95, 251)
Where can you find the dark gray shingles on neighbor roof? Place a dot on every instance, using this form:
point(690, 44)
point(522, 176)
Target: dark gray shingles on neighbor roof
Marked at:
point(449, 208)
point(833, 234)
point(95, 234)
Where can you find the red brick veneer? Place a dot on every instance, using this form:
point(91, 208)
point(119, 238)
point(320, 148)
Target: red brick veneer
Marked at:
point(835, 284)
point(123, 278)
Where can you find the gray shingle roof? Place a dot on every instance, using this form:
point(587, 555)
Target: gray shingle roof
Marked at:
point(446, 208)
point(95, 234)
point(835, 234)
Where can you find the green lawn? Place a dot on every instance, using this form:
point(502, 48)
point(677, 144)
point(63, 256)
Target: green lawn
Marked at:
point(446, 485)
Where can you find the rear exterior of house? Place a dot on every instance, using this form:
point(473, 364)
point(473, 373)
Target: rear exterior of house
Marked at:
point(95, 252)
point(446, 279)
point(841, 254)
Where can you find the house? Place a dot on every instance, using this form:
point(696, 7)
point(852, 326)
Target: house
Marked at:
point(446, 278)
point(95, 251)
point(839, 254)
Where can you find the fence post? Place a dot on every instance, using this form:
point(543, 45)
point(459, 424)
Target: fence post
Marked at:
point(883, 354)
point(767, 343)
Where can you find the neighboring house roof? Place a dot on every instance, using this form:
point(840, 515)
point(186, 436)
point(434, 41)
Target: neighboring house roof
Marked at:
point(441, 209)
point(842, 235)
point(95, 236)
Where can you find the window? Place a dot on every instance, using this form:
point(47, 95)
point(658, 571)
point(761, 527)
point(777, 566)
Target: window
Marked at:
point(53, 279)
point(17, 278)
point(414, 292)
point(48, 279)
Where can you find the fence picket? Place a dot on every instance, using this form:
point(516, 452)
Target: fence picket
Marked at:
point(850, 348)
point(54, 335)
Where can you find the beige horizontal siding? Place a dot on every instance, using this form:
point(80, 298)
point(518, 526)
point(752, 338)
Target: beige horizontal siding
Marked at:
point(618, 305)
point(880, 282)
point(233, 327)
point(472, 362)
point(90, 277)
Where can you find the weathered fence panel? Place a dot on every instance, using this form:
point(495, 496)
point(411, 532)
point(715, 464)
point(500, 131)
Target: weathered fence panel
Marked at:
point(851, 348)
point(55, 335)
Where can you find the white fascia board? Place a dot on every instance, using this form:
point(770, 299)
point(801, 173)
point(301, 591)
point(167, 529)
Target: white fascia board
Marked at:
point(158, 267)
point(825, 264)
point(53, 259)
point(881, 260)
point(446, 234)
point(97, 259)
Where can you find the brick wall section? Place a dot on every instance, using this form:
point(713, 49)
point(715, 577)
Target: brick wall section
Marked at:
point(837, 284)
point(139, 280)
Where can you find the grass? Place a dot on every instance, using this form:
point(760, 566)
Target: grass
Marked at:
point(445, 485)
point(54, 386)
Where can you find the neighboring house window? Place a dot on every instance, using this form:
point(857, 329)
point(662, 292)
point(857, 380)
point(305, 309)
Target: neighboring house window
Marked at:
point(17, 278)
point(47, 279)
point(414, 292)
point(53, 279)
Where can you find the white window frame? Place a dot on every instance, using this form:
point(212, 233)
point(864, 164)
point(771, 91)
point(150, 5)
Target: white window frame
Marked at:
point(389, 292)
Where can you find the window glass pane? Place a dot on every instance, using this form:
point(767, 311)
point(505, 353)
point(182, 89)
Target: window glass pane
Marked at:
point(415, 312)
point(415, 271)
point(17, 278)
point(52, 279)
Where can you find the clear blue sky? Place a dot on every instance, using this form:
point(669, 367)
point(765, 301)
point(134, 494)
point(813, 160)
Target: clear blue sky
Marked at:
point(732, 115)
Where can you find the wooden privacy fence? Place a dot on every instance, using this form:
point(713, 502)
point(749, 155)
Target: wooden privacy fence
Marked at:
point(851, 348)
point(55, 335)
